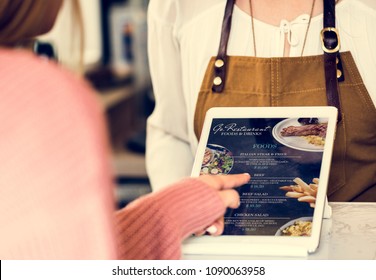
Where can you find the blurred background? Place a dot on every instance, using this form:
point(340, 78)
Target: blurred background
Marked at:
point(115, 63)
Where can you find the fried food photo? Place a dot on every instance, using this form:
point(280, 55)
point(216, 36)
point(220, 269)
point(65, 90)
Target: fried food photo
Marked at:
point(302, 191)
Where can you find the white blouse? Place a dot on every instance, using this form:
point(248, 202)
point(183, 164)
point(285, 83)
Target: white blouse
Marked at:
point(184, 35)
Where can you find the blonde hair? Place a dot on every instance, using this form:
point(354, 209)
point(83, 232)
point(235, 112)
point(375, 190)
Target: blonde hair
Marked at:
point(21, 20)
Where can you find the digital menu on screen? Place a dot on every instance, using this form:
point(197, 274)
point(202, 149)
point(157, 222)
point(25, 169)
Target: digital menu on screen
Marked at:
point(283, 156)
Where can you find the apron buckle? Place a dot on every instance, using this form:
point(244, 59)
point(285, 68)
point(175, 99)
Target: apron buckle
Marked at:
point(330, 41)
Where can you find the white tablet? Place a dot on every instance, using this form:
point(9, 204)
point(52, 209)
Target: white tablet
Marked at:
point(287, 151)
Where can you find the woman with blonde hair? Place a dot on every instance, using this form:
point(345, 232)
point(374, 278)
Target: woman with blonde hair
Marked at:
point(56, 192)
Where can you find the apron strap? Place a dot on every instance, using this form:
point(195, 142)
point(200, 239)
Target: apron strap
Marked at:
point(331, 44)
point(221, 60)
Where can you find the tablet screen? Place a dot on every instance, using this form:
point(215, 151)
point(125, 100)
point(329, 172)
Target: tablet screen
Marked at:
point(283, 156)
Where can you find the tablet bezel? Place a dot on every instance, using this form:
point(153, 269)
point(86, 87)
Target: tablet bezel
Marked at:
point(237, 243)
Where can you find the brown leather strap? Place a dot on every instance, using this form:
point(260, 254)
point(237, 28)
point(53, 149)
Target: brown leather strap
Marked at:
point(330, 42)
point(331, 56)
point(221, 60)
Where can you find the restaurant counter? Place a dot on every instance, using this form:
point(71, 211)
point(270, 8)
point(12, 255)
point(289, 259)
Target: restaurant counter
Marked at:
point(349, 234)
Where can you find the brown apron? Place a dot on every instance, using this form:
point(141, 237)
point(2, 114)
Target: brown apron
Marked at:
point(301, 81)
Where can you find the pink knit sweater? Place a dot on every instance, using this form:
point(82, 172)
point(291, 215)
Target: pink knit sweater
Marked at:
point(56, 193)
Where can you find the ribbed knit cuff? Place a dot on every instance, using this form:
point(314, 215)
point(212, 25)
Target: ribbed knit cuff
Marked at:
point(192, 204)
point(153, 226)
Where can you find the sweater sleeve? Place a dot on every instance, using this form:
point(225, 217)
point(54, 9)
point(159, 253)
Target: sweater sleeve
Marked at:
point(154, 226)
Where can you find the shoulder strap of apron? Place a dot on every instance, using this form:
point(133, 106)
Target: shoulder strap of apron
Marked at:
point(331, 44)
point(221, 60)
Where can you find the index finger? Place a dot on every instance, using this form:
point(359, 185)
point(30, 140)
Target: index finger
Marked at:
point(220, 182)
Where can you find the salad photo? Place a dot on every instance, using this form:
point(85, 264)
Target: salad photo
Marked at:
point(216, 160)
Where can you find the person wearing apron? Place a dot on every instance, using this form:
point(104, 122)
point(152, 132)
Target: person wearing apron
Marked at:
point(232, 81)
point(187, 37)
